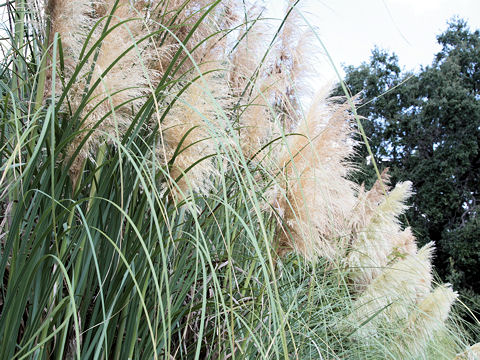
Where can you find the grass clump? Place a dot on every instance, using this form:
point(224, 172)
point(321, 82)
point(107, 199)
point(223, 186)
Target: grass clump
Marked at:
point(167, 192)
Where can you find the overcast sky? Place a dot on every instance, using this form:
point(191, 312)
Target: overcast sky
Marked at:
point(351, 28)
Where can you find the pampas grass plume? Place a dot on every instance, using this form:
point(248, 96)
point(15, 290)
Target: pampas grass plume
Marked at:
point(472, 353)
point(430, 317)
point(316, 197)
point(189, 121)
point(72, 24)
point(399, 287)
point(121, 89)
point(379, 233)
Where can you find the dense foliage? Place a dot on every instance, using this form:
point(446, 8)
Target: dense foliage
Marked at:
point(425, 127)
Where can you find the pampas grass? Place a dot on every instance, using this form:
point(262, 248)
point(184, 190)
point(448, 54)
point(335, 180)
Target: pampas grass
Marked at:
point(472, 353)
point(177, 191)
point(404, 283)
point(380, 237)
point(186, 141)
point(316, 198)
point(430, 318)
point(116, 70)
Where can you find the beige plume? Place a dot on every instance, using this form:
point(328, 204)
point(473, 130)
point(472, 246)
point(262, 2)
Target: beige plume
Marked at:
point(315, 199)
point(472, 353)
point(119, 92)
point(430, 317)
point(379, 235)
point(391, 295)
point(187, 137)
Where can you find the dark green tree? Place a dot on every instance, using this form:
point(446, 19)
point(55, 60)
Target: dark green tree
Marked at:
point(426, 128)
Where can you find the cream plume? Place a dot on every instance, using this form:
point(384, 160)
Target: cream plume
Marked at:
point(252, 42)
point(121, 89)
point(369, 201)
point(430, 317)
point(251, 86)
point(393, 293)
point(315, 198)
point(189, 133)
point(472, 353)
point(190, 129)
point(271, 103)
point(180, 17)
point(291, 67)
point(404, 243)
point(379, 234)
point(72, 23)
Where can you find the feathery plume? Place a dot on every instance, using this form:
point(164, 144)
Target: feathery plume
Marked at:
point(379, 236)
point(252, 42)
point(430, 317)
point(250, 84)
point(315, 198)
point(122, 89)
point(181, 18)
point(189, 131)
point(188, 135)
point(256, 124)
point(472, 353)
point(270, 93)
point(393, 293)
point(404, 243)
point(72, 23)
point(369, 201)
point(291, 67)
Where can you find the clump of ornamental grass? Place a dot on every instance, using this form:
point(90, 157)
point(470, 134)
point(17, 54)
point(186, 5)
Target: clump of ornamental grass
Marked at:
point(315, 197)
point(379, 236)
point(107, 89)
point(171, 188)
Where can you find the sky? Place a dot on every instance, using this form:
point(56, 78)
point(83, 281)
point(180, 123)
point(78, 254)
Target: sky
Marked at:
point(351, 28)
